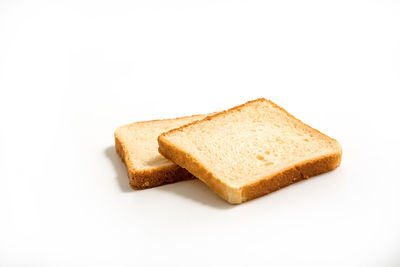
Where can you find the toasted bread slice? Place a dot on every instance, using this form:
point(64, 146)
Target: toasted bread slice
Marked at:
point(250, 150)
point(137, 146)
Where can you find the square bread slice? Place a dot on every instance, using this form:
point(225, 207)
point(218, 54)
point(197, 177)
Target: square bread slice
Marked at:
point(136, 144)
point(250, 150)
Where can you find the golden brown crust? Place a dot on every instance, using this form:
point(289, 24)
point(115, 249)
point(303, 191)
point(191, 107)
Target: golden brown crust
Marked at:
point(212, 115)
point(186, 161)
point(289, 176)
point(216, 114)
point(142, 179)
point(261, 187)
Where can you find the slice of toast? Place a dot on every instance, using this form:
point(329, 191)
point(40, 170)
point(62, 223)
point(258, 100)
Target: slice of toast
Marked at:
point(250, 150)
point(137, 146)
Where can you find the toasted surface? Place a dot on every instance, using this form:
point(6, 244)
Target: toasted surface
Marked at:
point(250, 150)
point(137, 146)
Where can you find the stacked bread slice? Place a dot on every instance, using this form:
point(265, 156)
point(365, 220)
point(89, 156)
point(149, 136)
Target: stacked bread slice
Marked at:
point(136, 144)
point(242, 153)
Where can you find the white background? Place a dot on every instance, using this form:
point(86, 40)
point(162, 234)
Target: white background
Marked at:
point(72, 71)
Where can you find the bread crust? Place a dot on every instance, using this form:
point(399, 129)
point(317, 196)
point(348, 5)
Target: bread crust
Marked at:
point(290, 176)
point(172, 119)
point(186, 161)
point(258, 188)
point(143, 179)
point(215, 114)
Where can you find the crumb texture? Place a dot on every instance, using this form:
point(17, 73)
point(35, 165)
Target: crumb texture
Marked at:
point(140, 140)
point(137, 145)
point(249, 143)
